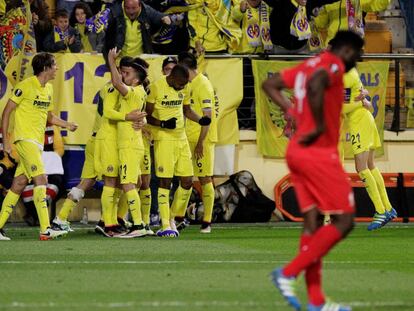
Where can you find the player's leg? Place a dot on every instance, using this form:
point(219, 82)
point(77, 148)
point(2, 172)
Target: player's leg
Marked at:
point(107, 202)
point(361, 165)
point(207, 197)
point(74, 196)
point(19, 183)
point(145, 196)
point(165, 161)
point(392, 213)
point(184, 170)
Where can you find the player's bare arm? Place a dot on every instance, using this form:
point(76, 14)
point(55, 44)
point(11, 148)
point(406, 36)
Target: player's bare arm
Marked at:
point(198, 151)
point(150, 119)
point(273, 87)
point(5, 120)
point(190, 114)
point(116, 78)
point(315, 89)
point(53, 119)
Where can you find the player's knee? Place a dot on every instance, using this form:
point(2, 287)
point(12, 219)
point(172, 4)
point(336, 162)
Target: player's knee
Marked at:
point(186, 182)
point(40, 180)
point(205, 180)
point(76, 194)
point(18, 184)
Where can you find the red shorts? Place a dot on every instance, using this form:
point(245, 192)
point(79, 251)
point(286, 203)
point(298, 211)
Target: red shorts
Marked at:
point(319, 180)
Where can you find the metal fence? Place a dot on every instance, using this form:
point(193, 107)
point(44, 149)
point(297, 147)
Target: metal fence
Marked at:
point(399, 99)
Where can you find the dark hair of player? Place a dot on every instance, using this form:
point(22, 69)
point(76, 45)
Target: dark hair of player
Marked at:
point(187, 59)
point(180, 72)
point(41, 62)
point(346, 38)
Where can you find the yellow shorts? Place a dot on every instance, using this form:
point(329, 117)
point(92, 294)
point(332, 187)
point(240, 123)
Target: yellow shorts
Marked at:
point(106, 157)
point(146, 160)
point(129, 165)
point(88, 169)
point(363, 131)
point(203, 167)
point(30, 159)
point(172, 158)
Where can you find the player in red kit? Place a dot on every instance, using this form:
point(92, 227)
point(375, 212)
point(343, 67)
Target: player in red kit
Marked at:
point(320, 182)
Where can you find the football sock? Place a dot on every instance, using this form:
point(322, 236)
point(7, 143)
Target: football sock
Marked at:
point(67, 208)
point(164, 207)
point(145, 196)
point(9, 203)
point(180, 202)
point(114, 214)
point(322, 241)
point(313, 275)
point(381, 188)
point(208, 201)
point(134, 204)
point(122, 206)
point(107, 201)
point(39, 198)
point(372, 190)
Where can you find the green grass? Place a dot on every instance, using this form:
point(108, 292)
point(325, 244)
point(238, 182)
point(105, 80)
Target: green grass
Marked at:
point(227, 270)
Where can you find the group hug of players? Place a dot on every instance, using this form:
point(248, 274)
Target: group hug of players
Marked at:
point(176, 114)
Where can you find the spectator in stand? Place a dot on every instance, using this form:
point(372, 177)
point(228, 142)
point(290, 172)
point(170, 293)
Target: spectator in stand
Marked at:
point(347, 15)
point(171, 39)
point(204, 30)
point(290, 26)
point(130, 27)
point(63, 38)
point(41, 21)
point(253, 18)
point(67, 5)
point(92, 41)
point(52, 159)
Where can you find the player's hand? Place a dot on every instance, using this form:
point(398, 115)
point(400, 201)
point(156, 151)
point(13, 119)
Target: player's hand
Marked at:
point(311, 137)
point(71, 40)
point(146, 133)
point(135, 115)
point(166, 20)
point(367, 104)
point(204, 121)
point(113, 54)
point(169, 124)
point(72, 126)
point(139, 124)
point(35, 18)
point(198, 151)
point(362, 94)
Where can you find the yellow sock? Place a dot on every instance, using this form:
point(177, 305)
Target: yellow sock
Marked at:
point(67, 208)
point(381, 188)
point(180, 202)
point(117, 194)
point(145, 196)
point(9, 203)
point(39, 199)
point(122, 206)
point(372, 190)
point(107, 201)
point(164, 207)
point(134, 204)
point(208, 201)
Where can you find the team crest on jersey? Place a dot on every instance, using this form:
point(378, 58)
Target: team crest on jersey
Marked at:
point(110, 169)
point(180, 95)
point(160, 169)
point(33, 168)
point(334, 68)
point(111, 89)
point(18, 92)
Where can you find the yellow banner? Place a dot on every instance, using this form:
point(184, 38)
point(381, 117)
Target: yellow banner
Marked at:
point(81, 76)
point(270, 123)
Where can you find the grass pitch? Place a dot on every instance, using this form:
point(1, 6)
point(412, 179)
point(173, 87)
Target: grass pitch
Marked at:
point(227, 270)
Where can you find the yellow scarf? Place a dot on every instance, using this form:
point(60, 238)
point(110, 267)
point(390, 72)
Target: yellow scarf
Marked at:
point(354, 14)
point(61, 36)
point(299, 27)
point(258, 31)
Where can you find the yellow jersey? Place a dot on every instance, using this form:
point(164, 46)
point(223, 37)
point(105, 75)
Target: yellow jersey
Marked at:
point(33, 104)
point(109, 96)
point(86, 45)
point(206, 31)
point(133, 45)
point(133, 100)
point(352, 88)
point(202, 97)
point(168, 103)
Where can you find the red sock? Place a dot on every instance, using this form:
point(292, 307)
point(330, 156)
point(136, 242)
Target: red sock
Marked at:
point(322, 241)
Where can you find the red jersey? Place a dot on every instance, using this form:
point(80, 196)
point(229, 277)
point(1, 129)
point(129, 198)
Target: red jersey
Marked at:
point(296, 78)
